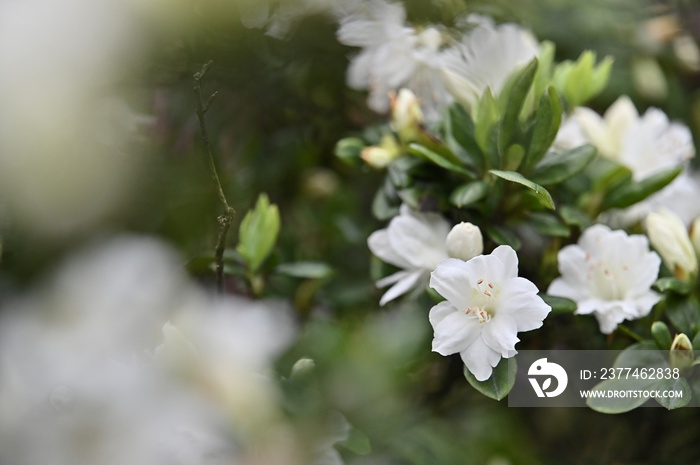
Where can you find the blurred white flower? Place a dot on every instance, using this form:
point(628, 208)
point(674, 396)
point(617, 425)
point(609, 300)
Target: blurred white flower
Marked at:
point(487, 305)
point(485, 57)
point(414, 242)
point(65, 127)
point(394, 55)
point(608, 273)
point(647, 145)
point(464, 241)
point(77, 374)
point(669, 236)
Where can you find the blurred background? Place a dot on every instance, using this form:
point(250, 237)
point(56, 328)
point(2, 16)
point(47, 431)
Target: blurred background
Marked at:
point(99, 136)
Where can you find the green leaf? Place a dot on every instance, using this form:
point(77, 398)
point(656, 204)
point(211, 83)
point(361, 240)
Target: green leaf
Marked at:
point(549, 225)
point(439, 160)
point(357, 442)
point(503, 236)
point(672, 285)
point(349, 150)
point(617, 404)
point(383, 206)
point(631, 193)
point(486, 117)
point(661, 335)
point(499, 384)
point(547, 122)
point(562, 166)
point(514, 157)
point(574, 216)
point(680, 384)
point(258, 233)
point(460, 136)
point(684, 313)
point(309, 270)
point(511, 102)
point(559, 304)
point(518, 178)
point(469, 193)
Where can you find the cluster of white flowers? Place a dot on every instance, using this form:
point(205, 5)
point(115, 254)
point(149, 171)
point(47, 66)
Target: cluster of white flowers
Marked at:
point(121, 359)
point(647, 145)
point(487, 303)
point(427, 60)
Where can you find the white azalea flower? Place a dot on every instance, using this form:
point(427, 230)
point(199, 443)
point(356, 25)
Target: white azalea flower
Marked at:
point(608, 273)
point(394, 55)
point(413, 241)
point(486, 56)
point(487, 305)
point(647, 145)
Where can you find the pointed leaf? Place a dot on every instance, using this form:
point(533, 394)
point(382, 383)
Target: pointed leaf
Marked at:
point(469, 193)
point(560, 167)
point(672, 285)
point(661, 335)
point(547, 122)
point(499, 384)
point(439, 160)
point(549, 225)
point(511, 102)
point(258, 233)
point(518, 178)
point(460, 136)
point(503, 236)
point(678, 385)
point(631, 193)
point(559, 304)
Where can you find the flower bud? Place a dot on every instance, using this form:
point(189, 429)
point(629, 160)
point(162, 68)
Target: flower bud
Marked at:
point(303, 368)
point(406, 115)
point(681, 352)
point(464, 241)
point(380, 156)
point(695, 235)
point(669, 237)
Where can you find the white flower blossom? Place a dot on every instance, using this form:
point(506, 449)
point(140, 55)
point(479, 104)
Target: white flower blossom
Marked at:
point(609, 274)
point(464, 241)
point(77, 374)
point(394, 55)
point(414, 242)
point(647, 145)
point(487, 305)
point(485, 57)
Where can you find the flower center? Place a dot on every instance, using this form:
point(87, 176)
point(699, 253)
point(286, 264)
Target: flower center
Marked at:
point(483, 301)
point(606, 280)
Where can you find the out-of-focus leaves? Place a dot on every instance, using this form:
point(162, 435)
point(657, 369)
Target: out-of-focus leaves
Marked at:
point(310, 270)
point(439, 160)
point(574, 216)
point(684, 313)
point(630, 193)
point(562, 166)
point(548, 224)
point(559, 304)
point(518, 178)
point(486, 117)
point(674, 285)
point(499, 384)
point(503, 236)
point(661, 335)
point(469, 193)
point(349, 150)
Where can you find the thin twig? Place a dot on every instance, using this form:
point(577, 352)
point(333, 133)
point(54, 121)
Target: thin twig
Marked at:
point(225, 219)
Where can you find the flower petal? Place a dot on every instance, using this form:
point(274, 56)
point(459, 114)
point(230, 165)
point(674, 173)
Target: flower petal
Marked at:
point(404, 285)
point(500, 334)
point(451, 279)
point(519, 300)
point(509, 258)
point(454, 330)
point(419, 238)
point(379, 244)
point(480, 359)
